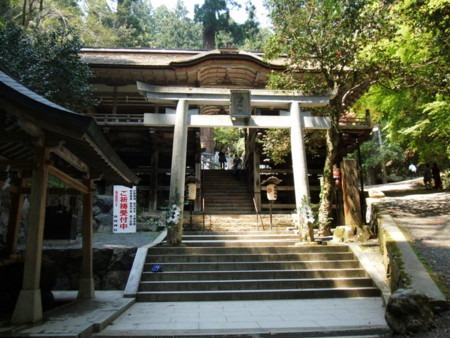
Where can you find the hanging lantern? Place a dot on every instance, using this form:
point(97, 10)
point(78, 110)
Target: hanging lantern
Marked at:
point(192, 191)
point(272, 192)
point(191, 183)
point(272, 189)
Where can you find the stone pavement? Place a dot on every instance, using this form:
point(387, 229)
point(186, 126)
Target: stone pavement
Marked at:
point(116, 316)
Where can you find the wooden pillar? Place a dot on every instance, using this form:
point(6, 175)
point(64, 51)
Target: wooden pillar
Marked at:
point(299, 166)
point(179, 153)
point(15, 216)
point(86, 288)
point(29, 307)
point(350, 192)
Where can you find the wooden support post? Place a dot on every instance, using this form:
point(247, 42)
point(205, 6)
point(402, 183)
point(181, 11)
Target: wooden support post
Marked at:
point(29, 306)
point(86, 287)
point(350, 192)
point(15, 216)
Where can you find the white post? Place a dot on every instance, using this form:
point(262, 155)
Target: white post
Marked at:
point(299, 166)
point(179, 153)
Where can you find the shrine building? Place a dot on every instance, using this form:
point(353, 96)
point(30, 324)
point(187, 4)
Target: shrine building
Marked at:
point(144, 95)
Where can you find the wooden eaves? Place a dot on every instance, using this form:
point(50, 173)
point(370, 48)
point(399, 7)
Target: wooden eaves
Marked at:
point(28, 119)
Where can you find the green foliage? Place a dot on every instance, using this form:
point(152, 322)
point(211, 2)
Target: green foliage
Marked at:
point(374, 155)
point(48, 63)
point(276, 144)
point(414, 99)
point(173, 29)
point(228, 139)
point(219, 28)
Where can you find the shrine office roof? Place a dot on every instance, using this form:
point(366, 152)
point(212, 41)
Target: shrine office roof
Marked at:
point(25, 115)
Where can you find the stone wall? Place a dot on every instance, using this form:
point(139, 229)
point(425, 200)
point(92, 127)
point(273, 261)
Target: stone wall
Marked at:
point(111, 267)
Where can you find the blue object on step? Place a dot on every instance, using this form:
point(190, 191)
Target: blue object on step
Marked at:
point(157, 268)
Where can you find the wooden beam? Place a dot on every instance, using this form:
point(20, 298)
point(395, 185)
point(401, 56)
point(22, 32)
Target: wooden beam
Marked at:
point(34, 131)
point(71, 158)
point(67, 179)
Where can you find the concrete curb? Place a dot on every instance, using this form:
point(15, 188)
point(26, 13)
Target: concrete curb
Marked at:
point(413, 267)
point(374, 268)
point(138, 266)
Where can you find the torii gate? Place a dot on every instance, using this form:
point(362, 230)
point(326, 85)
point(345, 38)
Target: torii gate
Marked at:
point(241, 103)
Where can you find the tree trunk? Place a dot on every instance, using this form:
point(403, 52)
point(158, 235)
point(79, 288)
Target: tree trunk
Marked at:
point(174, 235)
point(209, 38)
point(327, 187)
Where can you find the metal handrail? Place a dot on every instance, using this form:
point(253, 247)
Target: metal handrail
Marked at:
point(257, 214)
point(203, 212)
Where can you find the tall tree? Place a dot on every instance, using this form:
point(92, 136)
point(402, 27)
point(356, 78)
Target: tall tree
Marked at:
point(325, 37)
point(174, 29)
point(48, 63)
point(136, 16)
point(214, 16)
point(414, 100)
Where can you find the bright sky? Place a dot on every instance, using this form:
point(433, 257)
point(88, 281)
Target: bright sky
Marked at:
point(239, 15)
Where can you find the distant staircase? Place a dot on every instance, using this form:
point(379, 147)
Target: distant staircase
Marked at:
point(251, 266)
point(225, 195)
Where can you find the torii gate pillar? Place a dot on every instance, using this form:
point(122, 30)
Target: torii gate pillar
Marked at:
point(299, 166)
point(178, 169)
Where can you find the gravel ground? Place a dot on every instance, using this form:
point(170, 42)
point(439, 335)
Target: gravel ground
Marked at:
point(425, 217)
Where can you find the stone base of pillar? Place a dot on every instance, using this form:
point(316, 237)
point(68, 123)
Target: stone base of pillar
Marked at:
point(86, 289)
point(28, 307)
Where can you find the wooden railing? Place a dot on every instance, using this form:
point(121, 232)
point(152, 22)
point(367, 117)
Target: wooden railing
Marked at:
point(119, 119)
point(354, 122)
point(138, 119)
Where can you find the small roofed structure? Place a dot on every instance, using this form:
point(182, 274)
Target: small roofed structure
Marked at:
point(39, 138)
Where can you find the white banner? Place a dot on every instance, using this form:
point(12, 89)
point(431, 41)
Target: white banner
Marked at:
point(124, 217)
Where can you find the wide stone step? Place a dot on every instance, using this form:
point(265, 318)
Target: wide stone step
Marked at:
point(252, 274)
point(225, 243)
point(159, 259)
point(232, 220)
point(216, 209)
point(279, 265)
point(232, 265)
point(256, 284)
point(239, 237)
point(202, 250)
point(180, 296)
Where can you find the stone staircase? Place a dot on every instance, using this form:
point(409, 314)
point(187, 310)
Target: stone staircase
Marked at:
point(238, 223)
point(225, 195)
point(251, 266)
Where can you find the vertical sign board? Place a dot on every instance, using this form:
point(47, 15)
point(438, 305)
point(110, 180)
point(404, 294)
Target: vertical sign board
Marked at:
point(240, 103)
point(124, 216)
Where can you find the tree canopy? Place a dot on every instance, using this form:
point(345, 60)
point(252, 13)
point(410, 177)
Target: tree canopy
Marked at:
point(47, 63)
point(323, 41)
